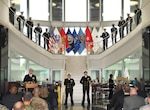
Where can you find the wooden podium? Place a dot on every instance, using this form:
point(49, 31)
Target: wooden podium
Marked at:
point(30, 85)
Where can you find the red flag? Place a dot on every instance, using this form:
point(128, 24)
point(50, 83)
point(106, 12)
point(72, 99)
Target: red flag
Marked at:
point(89, 40)
point(64, 37)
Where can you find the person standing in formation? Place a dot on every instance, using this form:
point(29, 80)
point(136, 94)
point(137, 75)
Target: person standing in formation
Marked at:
point(29, 25)
point(12, 11)
point(21, 21)
point(114, 34)
point(121, 25)
point(38, 31)
point(85, 81)
point(69, 83)
point(105, 36)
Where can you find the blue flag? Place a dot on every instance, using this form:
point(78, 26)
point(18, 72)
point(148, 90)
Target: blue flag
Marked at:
point(76, 41)
point(82, 40)
point(70, 41)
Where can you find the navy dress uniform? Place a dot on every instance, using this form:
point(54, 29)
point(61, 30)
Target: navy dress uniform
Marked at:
point(85, 81)
point(69, 83)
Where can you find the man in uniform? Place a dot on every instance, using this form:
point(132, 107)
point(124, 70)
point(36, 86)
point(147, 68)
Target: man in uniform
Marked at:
point(46, 38)
point(85, 81)
point(29, 25)
point(12, 11)
point(129, 21)
point(138, 14)
point(69, 83)
point(21, 21)
point(113, 33)
point(30, 77)
point(105, 36)
point(121, 25)
point(38, 31)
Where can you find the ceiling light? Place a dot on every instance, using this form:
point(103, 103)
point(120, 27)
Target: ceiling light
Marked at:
point(53, 4)
point(97, 5)
point(17, 2)
point(133, 3)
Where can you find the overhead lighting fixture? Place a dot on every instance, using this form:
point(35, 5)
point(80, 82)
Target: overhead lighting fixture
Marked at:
point(17, 2)
point(133, 3)
point(53, 4)
point(97, 5)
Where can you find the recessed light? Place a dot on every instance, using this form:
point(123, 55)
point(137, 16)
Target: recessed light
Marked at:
point(97, 5)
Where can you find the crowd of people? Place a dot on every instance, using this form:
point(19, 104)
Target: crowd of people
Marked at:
point(122, 24)
point(38, 98)
point(126, 97)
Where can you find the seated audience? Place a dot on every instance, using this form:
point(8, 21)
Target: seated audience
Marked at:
point(27, 99)
point(133, 102)
point(118, 98)
point(37, 102)
point(140, 92)
point(11, 98)
point(146, 107)
point(47, 97)
point(18, 106)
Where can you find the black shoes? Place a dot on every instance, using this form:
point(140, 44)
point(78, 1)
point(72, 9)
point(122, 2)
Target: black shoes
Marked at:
point(83, 105)
point(72, 104)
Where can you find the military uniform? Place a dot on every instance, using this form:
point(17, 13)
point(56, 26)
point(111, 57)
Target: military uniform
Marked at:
point(129, 21)
point(105, 36)
point(113, 34)
point(28, 78)
point(29, 25)
point(20, 20)
point(69, 83)
point(38, 31)
point(121, 25)
point(85, 81)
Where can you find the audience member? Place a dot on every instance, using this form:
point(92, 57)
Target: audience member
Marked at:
point(111, 86)
point(48, 97)
point(18, 106)
point(37, 102)
point(27, 99)
point(115, 100)
point(121, 25)
point(105, 36)
point(129, 21)
point(21, 21)
point(146, 107)
point(38, 31)
point(140, 92)
point(12, 11)
point(114, 34)
point(11, 98)
point(29, 25)
point(133, 102)
point(142, 84)
point(138, 14)
point(2, 107)
point(46, 38)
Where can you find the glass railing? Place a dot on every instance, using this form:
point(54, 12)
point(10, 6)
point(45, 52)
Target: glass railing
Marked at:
point(55, 47)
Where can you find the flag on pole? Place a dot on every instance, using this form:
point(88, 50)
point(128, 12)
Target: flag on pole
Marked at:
point(82, 40)
point(96, 40)
point(58, 43)
point(89, 40)
point(70, 41)
point(101, 40)
point(64, 38)
point(76, 41)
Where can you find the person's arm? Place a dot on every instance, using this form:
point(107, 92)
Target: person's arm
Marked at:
point(65, 82)
point(73, 83)
point(81, 81)
point(35, 79)
point(25, 79)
